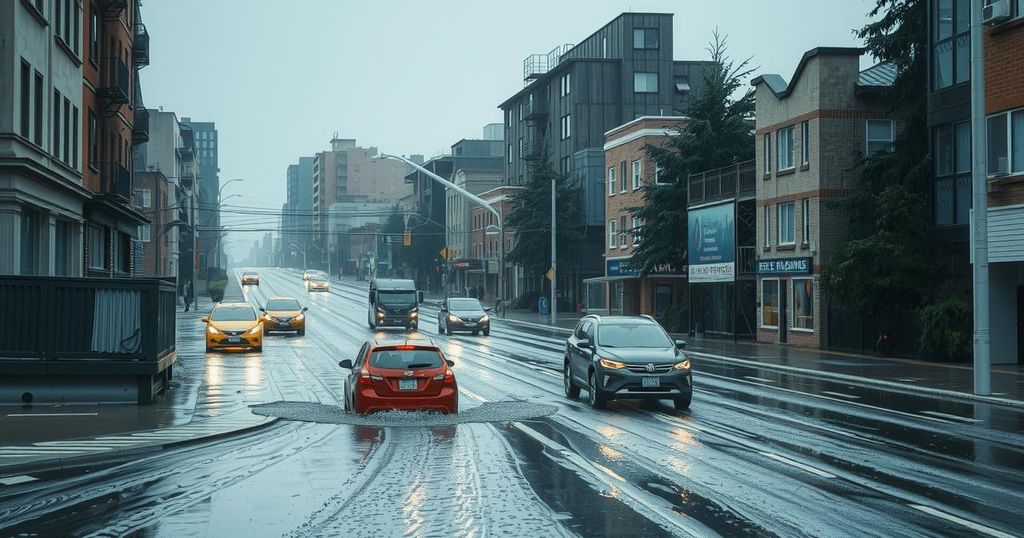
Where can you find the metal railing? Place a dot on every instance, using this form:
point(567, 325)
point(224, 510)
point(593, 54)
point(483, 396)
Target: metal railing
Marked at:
point(116, 180)
point(140, 126)
point(116, 84)
point(733, 181)
point(140, 48)
point(747, 260)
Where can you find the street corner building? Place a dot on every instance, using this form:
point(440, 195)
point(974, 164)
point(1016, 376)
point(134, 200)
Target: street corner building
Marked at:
point(812, 131)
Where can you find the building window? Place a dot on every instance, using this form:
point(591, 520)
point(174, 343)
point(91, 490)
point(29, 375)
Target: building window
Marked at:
point(37, 136)
point(29, 241)
point(767, 227)
point(770, 303)
point(56, 124)
point(951, 43)
point(508, 118)
point(1006, 143)
point(566, 126)
point(76, 31)
point(785, 218)
point(144, 198)
point(94, 141)
point(521, 146)
point(98, 247)
point(805, 218)
point(26, 100)
point(645, 82)
point(564, 86)
point(611, 181)
point(661, 175)
point(566, 164)
point(74, 137)
point(880, 135)
point(805, 143)
point(784, 147)
point(61, 248)
point(67, 131)
point(803, 304)
point(623, 232)
point(611, 234)
point(508, 151)
point(94, 35)
point(645, 38)
point(767, 148)
point(636, 231)
point(952, 150)
point(144, 233)
point(636, 174)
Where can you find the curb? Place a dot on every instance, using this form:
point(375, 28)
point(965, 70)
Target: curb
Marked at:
point(899, 387)
point(118, 455)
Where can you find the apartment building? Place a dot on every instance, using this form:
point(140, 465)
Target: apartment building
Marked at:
point(812, 131)
point(156, 254)
point(428, 221)
point(480, 265)
point(627, 169)
point(572, 96)
point(208, 240)
point(297, 218)
point(478, 167)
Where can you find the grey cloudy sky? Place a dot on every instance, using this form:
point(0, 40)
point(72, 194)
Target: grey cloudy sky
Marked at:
point(279, 77)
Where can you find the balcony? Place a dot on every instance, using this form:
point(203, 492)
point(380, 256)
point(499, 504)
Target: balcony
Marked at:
point(187, 174)
point(140, 128)
point(533, 146)
point(534, 108)
point(733, 181)
point(115, 88)
point(140, 50)
point(116, 181)
point(112, 9)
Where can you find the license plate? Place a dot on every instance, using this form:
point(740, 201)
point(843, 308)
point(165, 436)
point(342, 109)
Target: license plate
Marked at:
point(282, 325)
point(234, 339)
point(406, 384)
point(470, 324)
point(649, 382)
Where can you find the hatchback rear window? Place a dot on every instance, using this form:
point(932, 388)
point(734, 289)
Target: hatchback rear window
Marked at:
point(405, 359)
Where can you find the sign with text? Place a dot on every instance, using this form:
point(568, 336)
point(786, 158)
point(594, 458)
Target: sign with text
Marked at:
point(782, 266)
point(622, 268)
point(467, 264)
point(712, 246)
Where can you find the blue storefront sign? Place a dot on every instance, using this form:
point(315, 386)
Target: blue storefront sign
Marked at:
point(622, 268)
point(784, 266)
point(712, 247)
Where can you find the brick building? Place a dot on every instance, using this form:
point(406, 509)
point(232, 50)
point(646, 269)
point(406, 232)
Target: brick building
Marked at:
point(628, 168)
point(156, 254)
point(811, 134)
point(481, 269)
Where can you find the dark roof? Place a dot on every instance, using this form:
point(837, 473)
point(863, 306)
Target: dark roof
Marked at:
point(879, 75)
point(779, 87)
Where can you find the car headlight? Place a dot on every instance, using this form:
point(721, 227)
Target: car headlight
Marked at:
point(380, 310)
point(453, 318)
point(608, 363)
point(212, 330)
point(485, 319)
point(685, 365)
point(255, 330)
point(413, 314)
point(300, 317)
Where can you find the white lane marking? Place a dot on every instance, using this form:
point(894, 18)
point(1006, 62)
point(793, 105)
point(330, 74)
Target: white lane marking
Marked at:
point(26, 453)
point(798, 465)
point(759, 379)
point(472, 394)
point(961, 521)
point(85, 443)
point(13, 480)
point(52, 414)
point(841, 395)
point(29, 448)
point(953, 417)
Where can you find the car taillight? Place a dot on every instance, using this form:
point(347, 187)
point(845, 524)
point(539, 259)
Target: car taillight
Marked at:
point(364, 378)
point(449, 377)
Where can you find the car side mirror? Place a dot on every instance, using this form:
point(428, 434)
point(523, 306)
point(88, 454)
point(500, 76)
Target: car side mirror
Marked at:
point(262, 309)
point(347, 364)
point(305, 309)
point(680, 344)
point(205, 320)
point(488, 309)
point(450, 362)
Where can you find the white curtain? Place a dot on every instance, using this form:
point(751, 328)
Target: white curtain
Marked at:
point(116, 327)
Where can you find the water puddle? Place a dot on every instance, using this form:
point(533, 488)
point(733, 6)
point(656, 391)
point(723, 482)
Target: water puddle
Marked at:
point(331, 414)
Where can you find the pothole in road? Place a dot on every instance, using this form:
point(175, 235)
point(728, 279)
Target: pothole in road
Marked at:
point(332, 414)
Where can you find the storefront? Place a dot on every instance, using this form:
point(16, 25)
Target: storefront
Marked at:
point(622, 291)
point(721, 302)
point(788, 302)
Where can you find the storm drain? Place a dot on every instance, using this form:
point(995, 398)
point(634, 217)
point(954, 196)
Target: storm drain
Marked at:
point(332, 414)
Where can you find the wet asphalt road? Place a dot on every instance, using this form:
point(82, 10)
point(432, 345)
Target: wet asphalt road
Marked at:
point(759, 453)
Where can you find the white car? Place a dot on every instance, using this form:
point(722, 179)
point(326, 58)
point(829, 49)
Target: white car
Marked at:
point(310, 273)
point(318, 283)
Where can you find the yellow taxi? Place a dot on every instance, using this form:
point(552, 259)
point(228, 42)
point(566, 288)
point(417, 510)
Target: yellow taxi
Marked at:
point(284, 314)
point(250, 278)
point(234, 326)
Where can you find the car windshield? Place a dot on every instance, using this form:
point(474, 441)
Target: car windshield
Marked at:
point(248, 274)
point(233, 313)
point(464, 304)
point(318, 278)
point(283, 304)
point(397, 298)
point(632, 335)
point(406, 359)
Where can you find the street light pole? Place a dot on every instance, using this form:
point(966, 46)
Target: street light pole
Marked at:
point(474, 198)
point(554, 257)
point(979, 181)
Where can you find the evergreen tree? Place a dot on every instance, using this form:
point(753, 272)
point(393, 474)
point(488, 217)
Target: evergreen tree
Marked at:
point(717, 132)
point(888, 261)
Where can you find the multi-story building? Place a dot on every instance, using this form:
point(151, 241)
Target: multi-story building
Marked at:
point(627, 169)
point(155, 254)
point(1004, 106)
point(116, 46)
point(208, 242)
point(297, 225)
point(811, 134)
point(478, 166)
point(573, 96)
point(481, 267)
point(428, 222)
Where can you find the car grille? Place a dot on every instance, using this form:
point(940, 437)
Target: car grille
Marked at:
point(282, 320)
point(642, 368)
point(234, 333)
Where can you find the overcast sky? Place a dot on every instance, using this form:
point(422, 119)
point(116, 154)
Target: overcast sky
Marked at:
point(279, 77)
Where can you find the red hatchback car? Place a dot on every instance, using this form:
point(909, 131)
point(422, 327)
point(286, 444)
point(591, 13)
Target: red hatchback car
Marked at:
point(406, 374)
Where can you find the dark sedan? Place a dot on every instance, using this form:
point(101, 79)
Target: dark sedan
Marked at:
point(463, 314)
point(618, 357)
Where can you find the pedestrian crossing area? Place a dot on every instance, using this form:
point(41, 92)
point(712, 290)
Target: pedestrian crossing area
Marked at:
point(11, 454)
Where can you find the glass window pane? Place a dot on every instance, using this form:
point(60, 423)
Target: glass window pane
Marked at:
point(944, 64)
point(997, 157)
point(638, 38)
point(963, 199)
point(944, 19)
point(770, 303)
point(943, 202)
point(963, 59)
point(1017, 140)
point(880, 130)
point(651, 38)
point(963, 16)
point(962, 151)
point(944, 151)
point(803, 304)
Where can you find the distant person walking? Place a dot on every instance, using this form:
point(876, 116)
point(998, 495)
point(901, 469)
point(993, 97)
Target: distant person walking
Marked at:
point(187, 293)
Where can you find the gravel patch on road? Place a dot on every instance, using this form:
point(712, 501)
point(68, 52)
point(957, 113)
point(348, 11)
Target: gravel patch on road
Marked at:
point(332, 414)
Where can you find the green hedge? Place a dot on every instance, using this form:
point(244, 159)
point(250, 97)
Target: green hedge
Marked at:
point(947, 331)
point(216, 290)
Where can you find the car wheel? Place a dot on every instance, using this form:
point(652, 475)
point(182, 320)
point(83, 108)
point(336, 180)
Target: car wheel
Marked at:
point(682, 404)
point(476, 333)
point(596, 399)
point(302, 331)
point(259, 348)
point(572, 390)
point(487, 331)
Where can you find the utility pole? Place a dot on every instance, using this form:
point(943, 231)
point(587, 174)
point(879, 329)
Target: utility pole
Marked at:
point(554, 255)
point(979, 173)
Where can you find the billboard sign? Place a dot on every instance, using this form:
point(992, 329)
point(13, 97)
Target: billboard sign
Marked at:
point(712, 246)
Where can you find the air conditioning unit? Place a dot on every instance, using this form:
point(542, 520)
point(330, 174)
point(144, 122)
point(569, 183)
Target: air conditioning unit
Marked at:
point(813, 246)
point(995, 12)
point(1002, 167)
